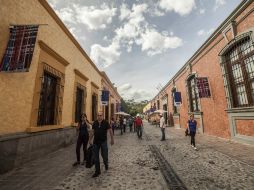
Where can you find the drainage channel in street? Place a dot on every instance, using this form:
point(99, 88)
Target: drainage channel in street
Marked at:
point(171, 178)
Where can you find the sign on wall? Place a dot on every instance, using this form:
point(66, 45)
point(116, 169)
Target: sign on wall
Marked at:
point(104, 97)
point(203, 87)
point(177, 98)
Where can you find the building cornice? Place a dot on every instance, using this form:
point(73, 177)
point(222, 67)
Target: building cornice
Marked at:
point(52, 13)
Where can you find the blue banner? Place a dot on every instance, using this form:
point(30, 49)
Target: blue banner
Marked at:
point(104, 97)
point(177, 98)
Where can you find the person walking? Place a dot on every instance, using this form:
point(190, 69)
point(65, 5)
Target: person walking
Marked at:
point(100, 129)
point(113, 125)
point(124, 124)
point(121, 125)
point(83, 138)
point(130, 122)
point(139, 125)
point(192, 127)
point(162, 126)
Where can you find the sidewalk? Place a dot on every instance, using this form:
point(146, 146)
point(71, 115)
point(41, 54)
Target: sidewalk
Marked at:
point(241, 152)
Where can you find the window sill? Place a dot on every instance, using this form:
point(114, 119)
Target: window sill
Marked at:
point(196, 113)
point(237, 110)
point(74, 124)
point(43, 128)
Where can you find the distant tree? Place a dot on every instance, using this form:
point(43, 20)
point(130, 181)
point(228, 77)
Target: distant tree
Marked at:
point(124, 106)
point(132, 107)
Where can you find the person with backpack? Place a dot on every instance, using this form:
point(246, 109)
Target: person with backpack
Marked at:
point(139, 125)
point(83, 138)
point(192, 127)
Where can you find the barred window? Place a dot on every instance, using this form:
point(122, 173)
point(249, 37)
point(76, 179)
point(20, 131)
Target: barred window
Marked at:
point(238, 72)
point(80, 103)
point(20, 48)
point(94, 107)
point(51, 97)
point(193, 94)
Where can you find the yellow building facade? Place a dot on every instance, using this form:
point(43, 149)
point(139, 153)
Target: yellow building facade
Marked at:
point(57, 59)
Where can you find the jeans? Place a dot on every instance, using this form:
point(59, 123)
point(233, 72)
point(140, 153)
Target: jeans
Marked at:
point(192, 134)
point(163, 134)
point(104, 153)
point(82, 139)
point(139, 131)
point(130, 128)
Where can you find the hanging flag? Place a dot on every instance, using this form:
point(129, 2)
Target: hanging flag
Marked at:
point(177, 98)
point(20, 48)
point(104, 97)
point(203, 87)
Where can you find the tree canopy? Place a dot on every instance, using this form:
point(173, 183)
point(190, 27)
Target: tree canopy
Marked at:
point(132, 107)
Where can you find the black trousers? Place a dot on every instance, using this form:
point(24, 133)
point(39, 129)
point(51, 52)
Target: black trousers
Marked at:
point(192, 134)
point(139, 131)
point(82, 140)
point(124, 127)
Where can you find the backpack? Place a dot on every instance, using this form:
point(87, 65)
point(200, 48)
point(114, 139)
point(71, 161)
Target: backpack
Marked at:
point(89, 157)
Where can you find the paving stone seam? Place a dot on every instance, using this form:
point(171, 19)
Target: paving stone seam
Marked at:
point(172, 179)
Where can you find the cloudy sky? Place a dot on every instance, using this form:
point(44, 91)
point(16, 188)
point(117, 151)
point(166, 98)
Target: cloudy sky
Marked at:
point(141, 44)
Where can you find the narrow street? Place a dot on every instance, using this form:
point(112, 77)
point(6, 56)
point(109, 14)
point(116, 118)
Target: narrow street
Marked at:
point(145, 164)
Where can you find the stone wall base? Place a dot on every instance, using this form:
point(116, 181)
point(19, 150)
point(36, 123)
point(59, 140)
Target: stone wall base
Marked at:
point(17, 149)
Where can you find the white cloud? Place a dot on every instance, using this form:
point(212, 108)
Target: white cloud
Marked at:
point(53, 3)
point(67, 15)
point(203, 32)
point(155, 42)
point(128, 92)
point(123, 88)
point(157, 12)
point(219, 3)
point(135, 30)
point(94, 18)
point(202, 11)
point(182, 7)
point(124, 12)
point(74, 31)
point(105, 56)
point(136, 94)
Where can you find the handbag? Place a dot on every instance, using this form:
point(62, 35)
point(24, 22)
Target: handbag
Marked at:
point(89, 157)
point(187, 132)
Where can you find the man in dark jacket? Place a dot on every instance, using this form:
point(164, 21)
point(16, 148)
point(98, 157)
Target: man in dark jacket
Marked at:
point(100, 129)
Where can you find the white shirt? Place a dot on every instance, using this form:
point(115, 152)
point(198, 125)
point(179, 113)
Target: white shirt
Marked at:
point(124, 121)
point(162, 122)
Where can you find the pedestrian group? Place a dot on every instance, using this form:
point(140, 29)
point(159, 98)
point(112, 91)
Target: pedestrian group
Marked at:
point(96, 135)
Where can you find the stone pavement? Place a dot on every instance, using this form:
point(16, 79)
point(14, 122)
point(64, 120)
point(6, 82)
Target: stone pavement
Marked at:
point(145, 164)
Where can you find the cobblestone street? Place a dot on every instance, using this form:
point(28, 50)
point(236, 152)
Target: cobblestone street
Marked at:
point(145, 164)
